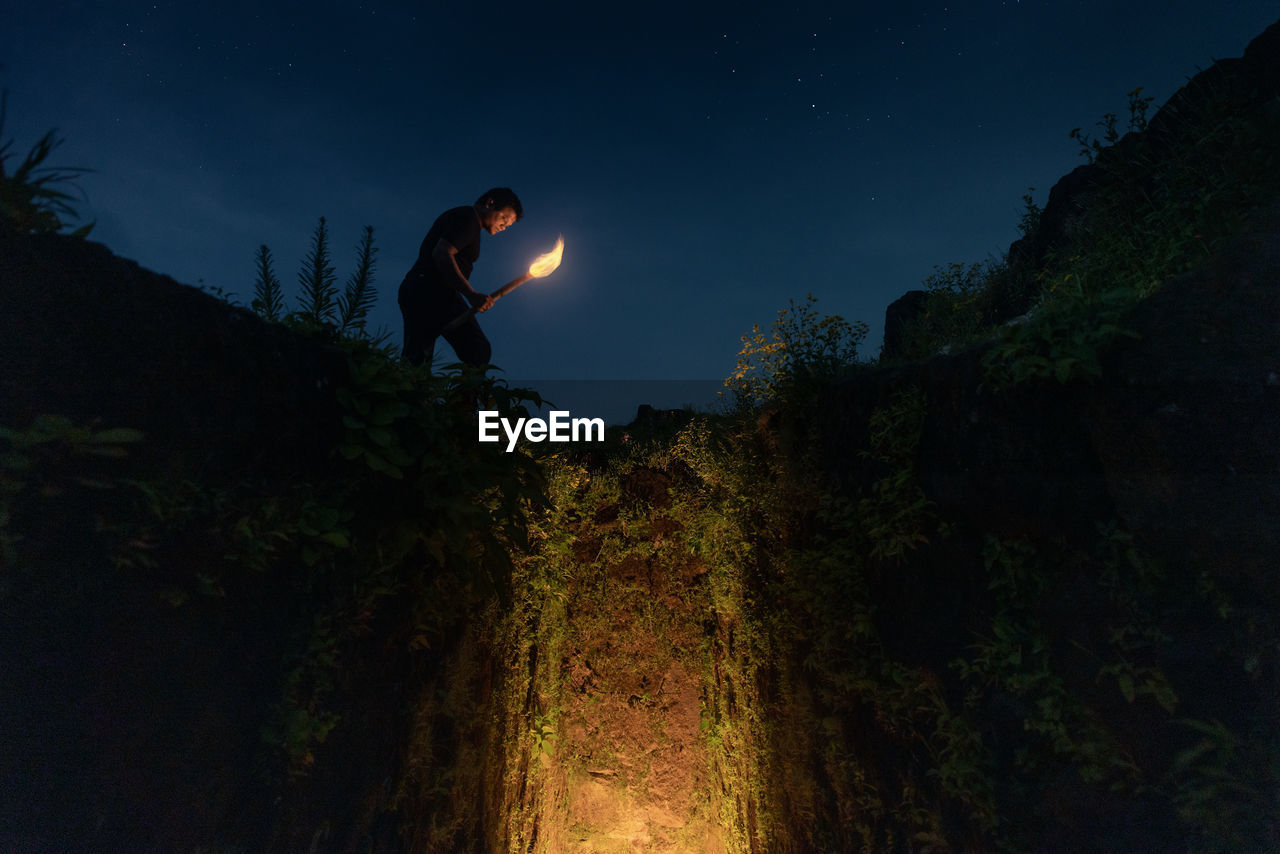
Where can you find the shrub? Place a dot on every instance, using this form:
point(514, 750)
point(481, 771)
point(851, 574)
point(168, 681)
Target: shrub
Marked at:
point(30, 201)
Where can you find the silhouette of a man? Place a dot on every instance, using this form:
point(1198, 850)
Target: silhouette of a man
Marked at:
point(437, 287)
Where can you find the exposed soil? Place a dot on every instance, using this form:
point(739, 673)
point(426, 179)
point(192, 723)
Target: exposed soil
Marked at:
point(630, 769)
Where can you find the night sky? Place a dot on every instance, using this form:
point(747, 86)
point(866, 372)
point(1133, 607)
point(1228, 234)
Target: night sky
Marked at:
point(705, 162)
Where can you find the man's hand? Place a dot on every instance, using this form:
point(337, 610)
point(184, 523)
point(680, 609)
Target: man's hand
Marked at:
point(480, 302)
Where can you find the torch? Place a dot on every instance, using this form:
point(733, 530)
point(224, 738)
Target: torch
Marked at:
point(542, 266)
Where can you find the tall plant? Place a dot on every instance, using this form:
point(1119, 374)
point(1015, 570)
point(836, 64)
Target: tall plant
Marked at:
point(317, 279)
point(320, 303)
point(30, 201)
point(803, 348)
point(354, 305)
point(268, 296)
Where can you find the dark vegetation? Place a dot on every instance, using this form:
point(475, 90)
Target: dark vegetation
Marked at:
point(33, 196)
point(1011, 587)
point(321, 304)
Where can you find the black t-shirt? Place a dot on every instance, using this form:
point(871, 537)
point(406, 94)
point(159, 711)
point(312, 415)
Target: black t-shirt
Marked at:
point(461, 228)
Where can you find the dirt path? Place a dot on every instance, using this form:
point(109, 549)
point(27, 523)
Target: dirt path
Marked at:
point(619, 760)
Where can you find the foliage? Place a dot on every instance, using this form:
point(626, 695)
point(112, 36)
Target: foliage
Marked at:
point(944, 684)
point(582, 604)
point(268, 296)
point(1032, 214)
point(416, 496)
point(303, 718)
point(47, 458)
point(955, 309)
point(896, 514)
point(30, 201)
point(878, 673)
point(801, 351)
point(842, 591)
point(317, 281)
point(1018, 656)
point(320, 303)
point(410, 515)
point(544, 736)
point(359, 296)
point(1161, 200)
point(1063, 342)
point(1223, 784)
point(1091, 148)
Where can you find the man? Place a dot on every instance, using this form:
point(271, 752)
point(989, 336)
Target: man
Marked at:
point(438, 288)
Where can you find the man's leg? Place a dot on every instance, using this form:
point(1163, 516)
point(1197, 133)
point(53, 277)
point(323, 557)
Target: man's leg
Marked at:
point(415, 308)
point(419, 346)
point(470, 343)
point(473, 349)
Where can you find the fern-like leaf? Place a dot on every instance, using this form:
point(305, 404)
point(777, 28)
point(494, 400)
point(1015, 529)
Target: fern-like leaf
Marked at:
point(317, 279)
point(358, 300)
point(268, 296)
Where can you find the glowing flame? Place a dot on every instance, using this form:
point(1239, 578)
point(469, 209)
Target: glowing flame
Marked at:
point(544, 265)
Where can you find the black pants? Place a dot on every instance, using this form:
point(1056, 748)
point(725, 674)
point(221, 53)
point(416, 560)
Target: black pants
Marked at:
point(426, 310)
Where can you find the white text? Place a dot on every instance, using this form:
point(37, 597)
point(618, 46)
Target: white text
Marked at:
point(560, 428)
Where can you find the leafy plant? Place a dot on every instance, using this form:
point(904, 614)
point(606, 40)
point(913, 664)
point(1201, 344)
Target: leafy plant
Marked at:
point(359, 295)
point(47, 458)
point(301, 720)
point(1063, 342)
point(268, 296)
point(956, 304)
point(544, 736)
point(320, 302)
point(1155, 208)
point(30, 199)
point(1221, 782)
point(802, 350)
point(1032, 214)
point(1090, 147)
point(316, 279)
point(896, 514)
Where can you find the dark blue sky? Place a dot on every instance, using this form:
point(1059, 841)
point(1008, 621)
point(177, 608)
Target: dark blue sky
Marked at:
point(705, 162)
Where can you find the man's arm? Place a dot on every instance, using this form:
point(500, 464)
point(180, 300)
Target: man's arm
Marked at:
point(444, 257)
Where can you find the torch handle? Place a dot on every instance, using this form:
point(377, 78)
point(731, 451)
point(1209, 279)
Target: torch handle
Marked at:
point(497, 295)
point(511, 285)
